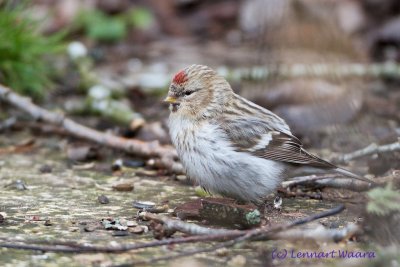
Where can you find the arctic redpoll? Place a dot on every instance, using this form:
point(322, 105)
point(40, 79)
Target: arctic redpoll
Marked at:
point(228, 144)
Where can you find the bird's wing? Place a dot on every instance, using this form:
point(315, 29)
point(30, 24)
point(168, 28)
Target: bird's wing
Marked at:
point(253, 135)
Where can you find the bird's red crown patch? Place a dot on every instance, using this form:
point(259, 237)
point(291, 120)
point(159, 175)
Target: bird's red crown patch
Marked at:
point(180, 77)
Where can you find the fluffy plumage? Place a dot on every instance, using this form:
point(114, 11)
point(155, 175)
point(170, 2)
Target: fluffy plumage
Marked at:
point(228, 144)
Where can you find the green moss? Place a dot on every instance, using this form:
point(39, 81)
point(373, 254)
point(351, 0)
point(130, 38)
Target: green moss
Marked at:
point(253, 217)
point(383, 201)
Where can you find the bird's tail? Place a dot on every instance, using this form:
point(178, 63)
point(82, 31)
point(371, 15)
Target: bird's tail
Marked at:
point(354, 176)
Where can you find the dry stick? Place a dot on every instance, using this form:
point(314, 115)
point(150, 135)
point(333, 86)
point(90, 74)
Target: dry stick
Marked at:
point(255, 234)
point(328, 180)
point(261, 233)
point(369, 150)
point(64, 247)
point(320, 233)
point(184, 227)
point(132, 146)
point(8, 123)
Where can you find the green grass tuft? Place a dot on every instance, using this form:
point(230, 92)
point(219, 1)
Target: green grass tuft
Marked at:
point(25, 51)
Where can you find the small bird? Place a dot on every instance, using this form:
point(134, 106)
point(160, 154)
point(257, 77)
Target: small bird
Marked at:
point(228, 144)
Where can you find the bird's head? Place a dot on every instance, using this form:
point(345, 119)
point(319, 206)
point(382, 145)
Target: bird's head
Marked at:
point(198, 91)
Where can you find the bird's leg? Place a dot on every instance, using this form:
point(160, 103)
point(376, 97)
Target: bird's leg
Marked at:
point(269, 204)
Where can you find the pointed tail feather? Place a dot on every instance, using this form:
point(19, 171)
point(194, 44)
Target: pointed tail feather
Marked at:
point(354, 176)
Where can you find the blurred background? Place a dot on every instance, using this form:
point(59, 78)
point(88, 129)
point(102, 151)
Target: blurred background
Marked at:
point(328, 67)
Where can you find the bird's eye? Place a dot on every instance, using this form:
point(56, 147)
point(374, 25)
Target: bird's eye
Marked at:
point(188, 93)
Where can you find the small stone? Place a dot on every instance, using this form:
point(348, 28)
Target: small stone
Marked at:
point(74, 229)
point(2, 219)
point(117, 165)
point(278, 203)
point(89, 228)
point(137, 230)
point(131, 223)
point(35, 218)
point(48, 223)
point(123, 187)
point(222, 252)
point(120, 233)
point(113, 224)
point(181, 178)
point(45, 169)
point(18, 185)
point(237, 261)
point(103, 199)
point(143, 205)
point(158, 209)
point(171, 211)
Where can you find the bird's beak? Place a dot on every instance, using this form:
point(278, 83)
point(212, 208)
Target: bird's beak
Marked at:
point(170, 99)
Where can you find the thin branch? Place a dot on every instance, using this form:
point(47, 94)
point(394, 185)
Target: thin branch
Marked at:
point(184, 227)
point(328, 180)
point(7, 124)
point(319, 233)
point(369, 150)
point(65, 247)
point(235, 236)
point(132, 146)
point(255, 234)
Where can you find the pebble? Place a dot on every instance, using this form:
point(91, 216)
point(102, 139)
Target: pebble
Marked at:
point(117, 165)
point(18, 185)
point(89, 228)
point(237, 261)
point(143, 205)
point(131, 223)
point(158, 209)
point(103, 199)
point(222, 252)
point(120, 233)
point(48, 223)
point(137, 230)
point(278, 203)
point(45, 169)
point(2, 219)
point(181, 178)
point(124, 187)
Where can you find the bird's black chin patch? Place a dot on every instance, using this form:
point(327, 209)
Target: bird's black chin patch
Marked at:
point(174, 107)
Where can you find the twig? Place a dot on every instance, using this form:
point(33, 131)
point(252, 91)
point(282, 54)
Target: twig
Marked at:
point(66, 247)
point(234, 236)
point(8, 123)
point(369, 150)
point(328, 180)
point(255, 234)
point(320, 234)
point(132, 146)
point(184, 227)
